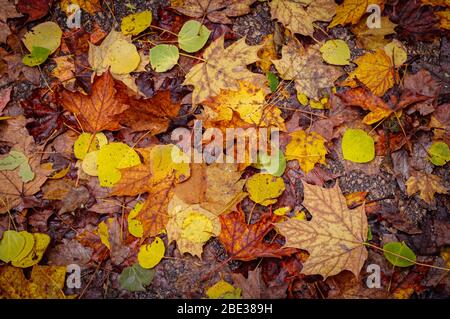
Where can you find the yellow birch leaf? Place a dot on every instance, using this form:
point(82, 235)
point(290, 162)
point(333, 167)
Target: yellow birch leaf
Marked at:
point(41, 242)
point(151, 254)
point(307, 149)
point(27, 248)
point(89, 164)
point(85, 143)
point(358, 146)
point(11, 245)
point(265, 188)
point(135, 226)
point(45, 35)
point(103, 232)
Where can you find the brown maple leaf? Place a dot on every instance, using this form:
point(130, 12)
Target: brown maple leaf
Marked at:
point(335, 236)
point(427, 184)
point(254, 287)
point(246, 242)
point(217, 11)
point(96, 112)
point(153, 114)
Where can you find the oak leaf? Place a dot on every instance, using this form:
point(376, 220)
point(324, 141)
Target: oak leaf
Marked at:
point(246, 242)
point(351, 11)
point(375, 70)
point(217, 11)
point(299, 19)
point(426, 184)
point(96, 112)
point(335, 236)
point(307, 69)
point(223, 69)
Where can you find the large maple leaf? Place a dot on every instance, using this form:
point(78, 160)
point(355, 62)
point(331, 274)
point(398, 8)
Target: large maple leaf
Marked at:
point(157, 176)
point(223, 69)
point(246, 242)
point(96, 112)
point(217, 11)
point(307, 69)
point(335, 236)
point(299, 19)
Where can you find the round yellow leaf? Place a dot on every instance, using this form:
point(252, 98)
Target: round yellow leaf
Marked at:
point(336, 52)
point(85, 144)
point(11, 245)
point(265, 188)
point(135, 226)
point(196, 228)
point(41, 242)
point(358, 146)
point(150, 255)
point(111, 158)
point(223, 290)
point(136, 23)
point(397, 52)
point(122, 56)
point(27, 248)
point(104, 234)
point(89, 164)
point(45, 35)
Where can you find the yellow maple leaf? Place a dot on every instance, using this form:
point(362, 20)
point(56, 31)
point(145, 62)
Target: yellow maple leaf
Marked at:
point(222, 69)
point(335, 236)
point(444, 19)
point(426, 184)
point(249, 102)
point(375, 70)
point(307, 148)
point(298, 18)
point(351, 11)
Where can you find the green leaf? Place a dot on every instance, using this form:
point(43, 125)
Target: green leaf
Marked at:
point(273, 81)
point(399, 249)
point(274, 164)
point(11, 245)
point(358, 146)
point(135, 278)
point(439, 153)
point(45, 35)
point(17, 159)
point(37, 56)
point(163, 57)
point(193, 36)
point(369, 233)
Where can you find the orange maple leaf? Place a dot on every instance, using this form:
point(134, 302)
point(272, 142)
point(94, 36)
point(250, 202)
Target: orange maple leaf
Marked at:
point(96, 112)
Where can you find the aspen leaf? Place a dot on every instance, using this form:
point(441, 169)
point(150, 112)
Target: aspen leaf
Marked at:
point(111, 158)
point(282, 211)
point(375, 70)
point(136, 23)
point(135, 278)
point(336, 52)
point(45, 35)
point(190, 226)
point(135, 226)
point(37, 56)
point(307, 148)
point(193, 36)
point(103, 233)
point(223, 290)
point(27, 248)
point(226, 66)
point(273, 164)
point(41, 242)
point(427, 184)
point(163, 57)
point(358, 146)
point(399, 254)
point(151, 254)
point(86, 143)
point(90, 163)
point(334, 237)
point(265, 188)
point(439, 153)
point(17, 159)
point(11, 245)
